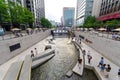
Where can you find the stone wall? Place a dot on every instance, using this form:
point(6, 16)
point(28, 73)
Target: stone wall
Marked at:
point(25, 42)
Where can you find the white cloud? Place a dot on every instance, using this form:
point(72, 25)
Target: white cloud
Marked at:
point(54, 8)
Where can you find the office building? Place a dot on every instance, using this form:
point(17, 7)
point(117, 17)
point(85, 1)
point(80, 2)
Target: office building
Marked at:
point(84, 9)
point(68, 16)
point(96, 8)
point(110, 9)
point(39, 11)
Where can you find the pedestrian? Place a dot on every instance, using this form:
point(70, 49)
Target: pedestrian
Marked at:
point(88, 53)
point(52, 33)
point(84, 52)
point(32, 54)
point(36, 51)
point(79, 62)
point(101, 62)
point(89, 59)
point(80, 41)
point(102, 68)
point(108, 68)
point(119, 73)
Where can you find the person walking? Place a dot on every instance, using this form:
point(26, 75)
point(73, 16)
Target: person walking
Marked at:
point(102, 68)
point(84, 52)
point(79, 62)
point(101, 62)
point(108, 68)
point(52, 33)
point(88, 53)
point(36, 51)
point(89, 59)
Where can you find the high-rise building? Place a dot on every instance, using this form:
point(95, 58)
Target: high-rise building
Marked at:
point(84, 9)
point(39, 11)
point(68, 16)
point(96, 8)
point(110, 9)
point(37, 7)
point(29, 5)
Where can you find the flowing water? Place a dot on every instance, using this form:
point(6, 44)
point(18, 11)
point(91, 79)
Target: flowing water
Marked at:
point(64, 60)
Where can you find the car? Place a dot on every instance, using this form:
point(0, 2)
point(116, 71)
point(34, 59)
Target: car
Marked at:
point(2, 32)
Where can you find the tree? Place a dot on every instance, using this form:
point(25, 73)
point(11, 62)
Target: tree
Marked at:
point(45, 23)
point(91, 21)
point(4, 15)
point(28, 17)
point(112, 23)
point(20, 15)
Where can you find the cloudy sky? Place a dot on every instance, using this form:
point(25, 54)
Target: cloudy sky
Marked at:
point(54, 8)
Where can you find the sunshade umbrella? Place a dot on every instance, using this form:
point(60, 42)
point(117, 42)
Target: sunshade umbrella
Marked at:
point(28, 29)
point(117, 29)
point(102, 29)
point(15, 29)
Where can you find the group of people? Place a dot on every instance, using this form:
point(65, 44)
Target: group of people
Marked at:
point(104, 68)
point(33, 54)
point(115, 36)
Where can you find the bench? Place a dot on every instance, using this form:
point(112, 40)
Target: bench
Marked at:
point(26, 69)
point(13, 71)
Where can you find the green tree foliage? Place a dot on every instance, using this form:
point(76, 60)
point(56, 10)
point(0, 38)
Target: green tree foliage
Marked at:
point(20, 15)
point(45, 23)
point(112, 23)
point(4, 14)
point(91, 21)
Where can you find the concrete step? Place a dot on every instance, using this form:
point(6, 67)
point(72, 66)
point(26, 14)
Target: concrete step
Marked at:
point(13, 71)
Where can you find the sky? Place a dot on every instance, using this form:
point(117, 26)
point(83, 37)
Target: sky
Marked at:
point(54, 8)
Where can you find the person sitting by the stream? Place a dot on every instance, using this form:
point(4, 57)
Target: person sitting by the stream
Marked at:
point(32, 54)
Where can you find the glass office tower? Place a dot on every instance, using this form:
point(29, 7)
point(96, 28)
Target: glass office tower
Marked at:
point(68, 16)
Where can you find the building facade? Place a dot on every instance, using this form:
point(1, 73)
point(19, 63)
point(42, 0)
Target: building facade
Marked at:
point(68, 16)
point(39, 11)
point(96, 8)
point(37, 7)
point(110, 9)
point(84, 9)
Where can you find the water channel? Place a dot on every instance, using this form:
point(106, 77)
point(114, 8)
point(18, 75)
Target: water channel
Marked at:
point(65, 58)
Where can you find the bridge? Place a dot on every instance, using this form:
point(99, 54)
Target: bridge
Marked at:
point(60, 32)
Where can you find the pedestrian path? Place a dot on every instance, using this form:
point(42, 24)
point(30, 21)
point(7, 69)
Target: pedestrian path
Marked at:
point(78, 68)
point(95, 61)
point(40, 48)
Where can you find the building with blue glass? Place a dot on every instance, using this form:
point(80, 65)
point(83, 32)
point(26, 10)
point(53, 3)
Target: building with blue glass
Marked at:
point(68, 16)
